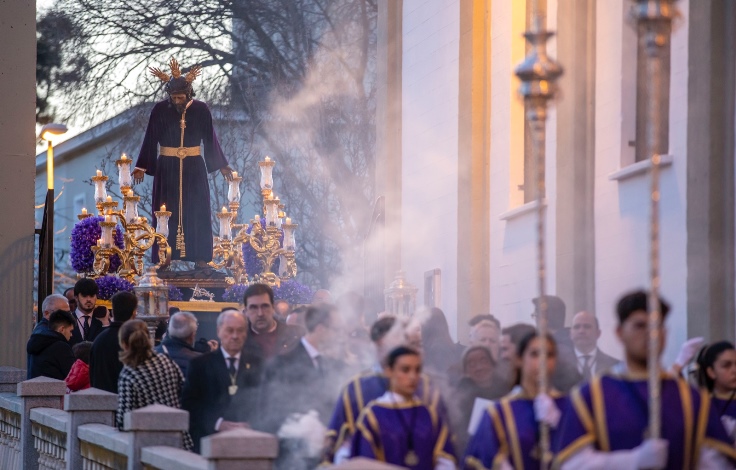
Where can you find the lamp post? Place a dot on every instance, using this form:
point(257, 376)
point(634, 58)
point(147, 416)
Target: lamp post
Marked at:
point(46, 258)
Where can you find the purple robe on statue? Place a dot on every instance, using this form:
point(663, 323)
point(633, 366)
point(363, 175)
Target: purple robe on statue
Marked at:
point(361, 390)
point(381, 434)
point(611, 413)
point(509, 432)
point(164, 130)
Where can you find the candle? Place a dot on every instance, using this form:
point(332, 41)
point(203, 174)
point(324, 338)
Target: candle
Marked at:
point(163, 207)
point(288, 221)
point(107, 218)
point(99, 242)
point(258, 218)
point(124, 157)
point(235, 174)
point(268, 159)
point(99, 172)
point(84, 211)
point(109, 199)
point(224, 211)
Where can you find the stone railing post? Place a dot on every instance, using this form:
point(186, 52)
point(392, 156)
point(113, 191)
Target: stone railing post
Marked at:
point(36, 393)
point(10, 377)
point(240, 448)
point(86, 406)
point(154, 425)
point(361, 463)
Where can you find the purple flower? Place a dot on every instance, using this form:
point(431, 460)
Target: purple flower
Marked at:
point(110, 285)
point(175, 294)
point(84, 236)
point(293, 292)
point(234, 293)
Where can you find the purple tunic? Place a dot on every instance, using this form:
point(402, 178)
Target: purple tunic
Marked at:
point(382, 435)
point(611, 413)
point(363, 389)
point(508, 431)
point(164, 129)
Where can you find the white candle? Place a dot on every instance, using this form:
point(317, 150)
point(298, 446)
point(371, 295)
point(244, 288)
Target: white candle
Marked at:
point(124, 157)
point(84, 211)
point(258, 218)
point(235, 174)
point(99, 172)
point(288, 221)
point(224, 211)
point(109, 199)
point(107, 218)
point(268, 159)
point(163, 207)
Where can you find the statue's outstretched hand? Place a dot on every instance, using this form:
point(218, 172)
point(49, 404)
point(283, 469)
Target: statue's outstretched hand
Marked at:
point(227, 172)
point(138, 175)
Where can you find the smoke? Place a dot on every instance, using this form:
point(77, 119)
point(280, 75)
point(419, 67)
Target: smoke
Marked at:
point(307, 428)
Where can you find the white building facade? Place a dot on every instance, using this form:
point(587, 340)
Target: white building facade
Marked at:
point(451, 162)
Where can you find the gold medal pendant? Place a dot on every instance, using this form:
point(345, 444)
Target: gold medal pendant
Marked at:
point(411, 458)
point(232, 390)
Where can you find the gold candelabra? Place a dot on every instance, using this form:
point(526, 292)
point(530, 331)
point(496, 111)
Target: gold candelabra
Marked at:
point(138, 235)
point(274, 241)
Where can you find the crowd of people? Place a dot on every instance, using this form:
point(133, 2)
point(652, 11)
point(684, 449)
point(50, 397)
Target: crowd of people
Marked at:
point(401, 390)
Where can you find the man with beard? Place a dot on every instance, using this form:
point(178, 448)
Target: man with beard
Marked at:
point(179, 126)
point(86, 327)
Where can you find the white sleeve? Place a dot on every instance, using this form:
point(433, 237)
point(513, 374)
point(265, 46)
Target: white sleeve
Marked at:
point(590, 459)
point(445, 464)
point(342, 454)
point(711, 459)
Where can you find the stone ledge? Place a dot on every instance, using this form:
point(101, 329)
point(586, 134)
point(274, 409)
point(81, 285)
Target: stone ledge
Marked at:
point(169, 457)
point(639, 168)
point(11, 375)
point(91, 399)
point(240, 444)
point(11, 402)
point(42, 387)
point(51, 418)
point(522, 210)
point(156, 418)
point(106, 437)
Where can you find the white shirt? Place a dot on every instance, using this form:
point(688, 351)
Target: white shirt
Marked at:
point(80, 321)
point(312, 351)
point(592, 363)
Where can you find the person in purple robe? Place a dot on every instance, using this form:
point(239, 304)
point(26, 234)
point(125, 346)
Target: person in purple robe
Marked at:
point(717, 374)
point(397, 427)
point(179, 149)
point(605, 426)
point(508, 434)
point(364, 388)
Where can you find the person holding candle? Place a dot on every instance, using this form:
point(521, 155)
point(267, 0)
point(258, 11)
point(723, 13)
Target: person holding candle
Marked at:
point(179, 125)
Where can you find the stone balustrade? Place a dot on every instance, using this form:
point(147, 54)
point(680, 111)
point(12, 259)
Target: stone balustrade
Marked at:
point(42, 427)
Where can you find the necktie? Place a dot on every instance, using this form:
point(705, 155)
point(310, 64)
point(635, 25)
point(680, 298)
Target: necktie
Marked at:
point(232, 368)
point(586, 367)
point(86, 326)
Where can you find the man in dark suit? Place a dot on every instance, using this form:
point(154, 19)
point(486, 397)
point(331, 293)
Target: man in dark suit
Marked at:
point(221, 390)
point(584, 334)
point(104, 361)
point(305, 378)
point(86, 327)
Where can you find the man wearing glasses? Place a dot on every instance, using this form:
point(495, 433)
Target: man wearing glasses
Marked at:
point(267, 336)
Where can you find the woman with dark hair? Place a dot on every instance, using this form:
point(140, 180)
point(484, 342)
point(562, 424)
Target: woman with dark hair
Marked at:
point(717, 374)
point(508, 434)
point(147, 378)
point(399, 429)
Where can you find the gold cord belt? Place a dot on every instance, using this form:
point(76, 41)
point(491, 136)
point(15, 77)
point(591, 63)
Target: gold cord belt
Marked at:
point(181, 152)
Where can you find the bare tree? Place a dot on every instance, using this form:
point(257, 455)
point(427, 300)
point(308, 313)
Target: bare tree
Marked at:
point(295, 78)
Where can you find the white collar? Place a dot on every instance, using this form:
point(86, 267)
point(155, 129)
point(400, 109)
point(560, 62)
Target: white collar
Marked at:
point(227, 356)
point(592, 354)
point(311, 350)
point(81, 314)
point(393, 398)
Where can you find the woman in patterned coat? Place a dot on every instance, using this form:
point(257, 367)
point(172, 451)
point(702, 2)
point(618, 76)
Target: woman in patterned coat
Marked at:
point(147, 378)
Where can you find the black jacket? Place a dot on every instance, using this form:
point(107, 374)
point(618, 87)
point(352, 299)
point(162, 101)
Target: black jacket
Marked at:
point(104, 361)
point(179, 351)
point(49, 355)
point(206, 396)
point(295, 385)
point(95, 328)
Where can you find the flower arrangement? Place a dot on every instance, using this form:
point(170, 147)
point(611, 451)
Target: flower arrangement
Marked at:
point(175, 294)
point(293, 292)
point(84, 236)
point(234, 293)
point(111, 285)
